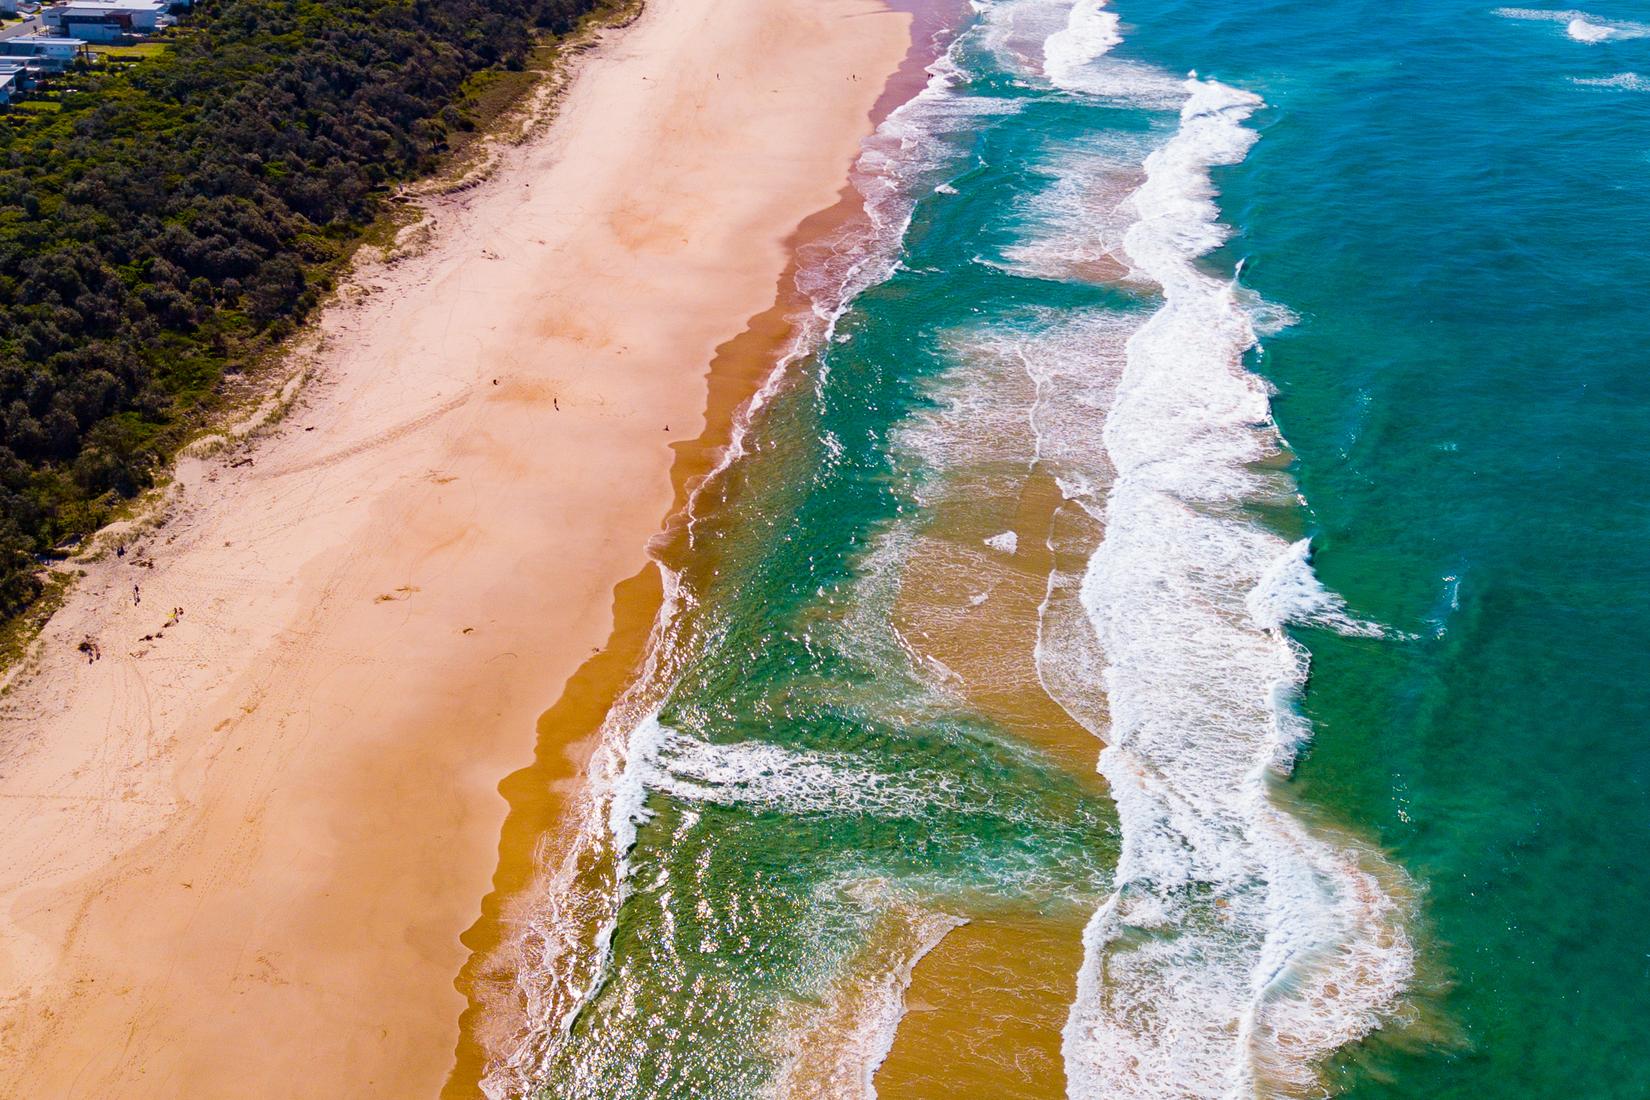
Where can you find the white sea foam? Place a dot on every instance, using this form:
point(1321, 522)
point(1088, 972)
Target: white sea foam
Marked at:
point(1240, 949)
point(1627, 82)
point(1579, 25)
point(1034, 386)
point(1090, 33)
point(1075, 214)
point(838, 1045)
point(1262, 927)
point(908, 155)
point(1007, 542)
point(558, 964)
point(1066, 45)
point(974, 429)
point(1289, 591)
point(1014, 32)
point(627, 799)
point(1075, 60)
point(1584, 31)
point(763, 775)
point(560, 949)
point(906, 149)
point(1034, 389)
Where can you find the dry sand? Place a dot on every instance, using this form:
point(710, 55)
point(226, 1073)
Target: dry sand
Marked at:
point(236, 860)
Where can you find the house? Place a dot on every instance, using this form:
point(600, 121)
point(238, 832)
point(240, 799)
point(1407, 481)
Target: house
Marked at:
point(25, 74)
point(8, 7)
point(107, 20)
point(48, 52)
point(16, 75)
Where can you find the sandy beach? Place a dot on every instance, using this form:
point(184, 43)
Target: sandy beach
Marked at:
point(237, 853)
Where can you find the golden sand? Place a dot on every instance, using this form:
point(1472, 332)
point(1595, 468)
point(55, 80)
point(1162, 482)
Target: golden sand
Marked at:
point(237, 861)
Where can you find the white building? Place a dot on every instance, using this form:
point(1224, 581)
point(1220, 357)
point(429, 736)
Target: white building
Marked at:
point(8, 85)
point(107, 20)
point(49, 52)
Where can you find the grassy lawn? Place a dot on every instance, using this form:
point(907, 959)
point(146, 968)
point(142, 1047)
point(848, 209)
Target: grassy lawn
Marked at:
point(132, 53)
point(39, 106)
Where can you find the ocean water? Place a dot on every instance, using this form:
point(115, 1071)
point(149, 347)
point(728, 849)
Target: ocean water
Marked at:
point(1201, 528)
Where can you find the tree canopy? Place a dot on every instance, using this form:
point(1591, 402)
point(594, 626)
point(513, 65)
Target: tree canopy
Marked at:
point(178, 215)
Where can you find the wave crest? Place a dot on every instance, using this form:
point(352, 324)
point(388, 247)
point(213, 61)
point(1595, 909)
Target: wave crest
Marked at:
point(1240, 948)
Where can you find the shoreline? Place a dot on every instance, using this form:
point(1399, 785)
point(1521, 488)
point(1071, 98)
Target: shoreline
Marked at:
point(263, 830)
point(569, 730)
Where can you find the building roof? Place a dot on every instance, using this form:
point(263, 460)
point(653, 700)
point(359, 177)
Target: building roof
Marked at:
point(100, 7)
point(45, 40)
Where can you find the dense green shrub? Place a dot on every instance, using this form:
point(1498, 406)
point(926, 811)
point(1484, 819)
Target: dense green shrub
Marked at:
point(175, 217)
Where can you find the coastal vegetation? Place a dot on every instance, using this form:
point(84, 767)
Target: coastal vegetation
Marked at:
point(177, 216)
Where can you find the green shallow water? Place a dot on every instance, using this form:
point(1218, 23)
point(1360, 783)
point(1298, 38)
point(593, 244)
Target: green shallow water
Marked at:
point(859, 782)
point(1456, 225)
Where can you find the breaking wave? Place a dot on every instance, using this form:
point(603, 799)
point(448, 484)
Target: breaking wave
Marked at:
point(1627, 82)
point(561, 952)
point(1240, 948)
point(1579, 25)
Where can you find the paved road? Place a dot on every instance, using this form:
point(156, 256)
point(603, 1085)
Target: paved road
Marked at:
point(31, 25)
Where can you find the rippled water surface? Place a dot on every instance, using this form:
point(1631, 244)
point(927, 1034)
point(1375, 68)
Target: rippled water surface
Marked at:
point(1184, 350)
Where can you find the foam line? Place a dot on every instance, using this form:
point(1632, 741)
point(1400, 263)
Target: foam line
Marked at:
point(1240, 948)
point(562, 950)
point(1579, 25)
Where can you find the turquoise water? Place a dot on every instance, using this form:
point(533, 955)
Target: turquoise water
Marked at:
point(1460, 222)
point(1412, 874)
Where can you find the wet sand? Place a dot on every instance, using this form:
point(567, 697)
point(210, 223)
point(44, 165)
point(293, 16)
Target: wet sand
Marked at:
point(986, 1006)
point(237, 858)
point(570, 730)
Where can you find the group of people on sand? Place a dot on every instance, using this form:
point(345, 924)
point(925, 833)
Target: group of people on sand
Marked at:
point(171, 620)
point(94, 652)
